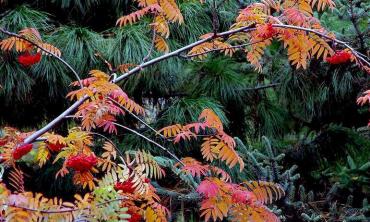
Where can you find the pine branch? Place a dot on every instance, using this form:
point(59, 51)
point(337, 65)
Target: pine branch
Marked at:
point(189, 197)
point(272, 85)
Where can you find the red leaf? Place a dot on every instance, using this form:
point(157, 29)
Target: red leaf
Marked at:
point(196, 127)
point(208, 188)
point(194, 167)
point(186, 135)
point(244, 197)
point(266, 31)
point(107, 122)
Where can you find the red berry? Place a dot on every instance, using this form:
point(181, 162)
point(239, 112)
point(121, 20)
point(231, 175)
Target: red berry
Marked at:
point(339, 57)
point(55, 147)
point(22, 150)
point(81, 162)
point(3, 142)
point(2, 159)
point(135, 217)
point(126, 187)
point(27, 60)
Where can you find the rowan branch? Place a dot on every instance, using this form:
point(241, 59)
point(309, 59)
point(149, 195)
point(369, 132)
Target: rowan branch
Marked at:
point(44, 50)
point(358, 55)
point(114, 145)
point(62, 210)
point(177, 53)
point(220, 49)
point(136, 117)
point(151, 141)
point(151, 47)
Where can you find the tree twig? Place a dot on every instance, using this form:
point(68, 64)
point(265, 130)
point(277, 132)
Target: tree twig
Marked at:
point(151, 141)
point(45, 50)
point(272, 85)
point(138, 118)
point(62, 210)
point(151, 47)
point(354, 21)
point(220, 49)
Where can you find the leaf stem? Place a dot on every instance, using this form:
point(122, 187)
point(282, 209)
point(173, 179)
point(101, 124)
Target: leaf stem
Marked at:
point(151, 141)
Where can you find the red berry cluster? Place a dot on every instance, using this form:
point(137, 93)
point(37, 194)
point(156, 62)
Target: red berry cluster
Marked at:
point(3, 142)
point(126, 187)
point(135, 217)
point(27, 60)
point(339, 57)
point(55, 147)
point(82, 162)
point(22, 150)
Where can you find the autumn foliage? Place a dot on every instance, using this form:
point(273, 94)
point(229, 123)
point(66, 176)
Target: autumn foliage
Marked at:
point(123, 186)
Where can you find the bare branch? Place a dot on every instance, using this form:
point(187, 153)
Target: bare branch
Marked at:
point(354, 20)
point(219, 49)
point(55, 121)
point(151, 47)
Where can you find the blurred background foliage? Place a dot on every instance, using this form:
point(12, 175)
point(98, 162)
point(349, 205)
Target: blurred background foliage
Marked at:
point(310, 116)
